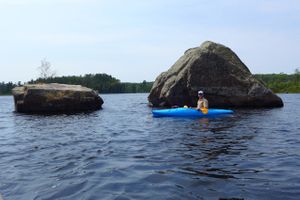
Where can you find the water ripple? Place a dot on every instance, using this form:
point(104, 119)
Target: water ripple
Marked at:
point(122, 152)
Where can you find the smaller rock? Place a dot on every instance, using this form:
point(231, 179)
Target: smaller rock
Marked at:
point(54, 98)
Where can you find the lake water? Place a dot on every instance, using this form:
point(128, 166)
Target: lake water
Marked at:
point(122, 152)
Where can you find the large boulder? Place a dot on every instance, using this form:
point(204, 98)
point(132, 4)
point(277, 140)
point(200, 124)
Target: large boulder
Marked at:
point(44, 98)
point(218, 71)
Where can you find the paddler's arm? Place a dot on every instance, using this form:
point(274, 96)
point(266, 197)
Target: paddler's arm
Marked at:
point(198, 106)
point(205, 104)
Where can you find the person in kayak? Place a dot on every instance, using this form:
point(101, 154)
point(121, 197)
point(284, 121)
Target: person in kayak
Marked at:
point(202, 103)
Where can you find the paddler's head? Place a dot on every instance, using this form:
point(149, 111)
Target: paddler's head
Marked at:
point(200, 94)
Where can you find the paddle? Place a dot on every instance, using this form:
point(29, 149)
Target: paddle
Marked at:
point(204, 110)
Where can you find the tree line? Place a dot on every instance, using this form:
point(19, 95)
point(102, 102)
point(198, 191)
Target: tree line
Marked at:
point(279, 83)
point(5, 88)
point(103, 83)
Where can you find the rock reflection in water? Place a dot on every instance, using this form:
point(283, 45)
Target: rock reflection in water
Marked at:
point(122, 152)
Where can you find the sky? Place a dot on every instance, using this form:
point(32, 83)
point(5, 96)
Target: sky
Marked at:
point(136, 40)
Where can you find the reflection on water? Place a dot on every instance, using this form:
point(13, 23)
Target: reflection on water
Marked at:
point(122, 152)
point(214, 148)
point(204, 123)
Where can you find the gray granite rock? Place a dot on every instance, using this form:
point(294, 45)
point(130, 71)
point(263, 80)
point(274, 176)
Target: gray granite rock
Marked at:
point(218, 71)
point(53, 98)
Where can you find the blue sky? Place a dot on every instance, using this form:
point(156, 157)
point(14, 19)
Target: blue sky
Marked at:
point(137, 40)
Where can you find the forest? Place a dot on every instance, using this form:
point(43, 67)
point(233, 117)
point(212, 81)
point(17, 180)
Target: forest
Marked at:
point(281, 83)
point(104, 83)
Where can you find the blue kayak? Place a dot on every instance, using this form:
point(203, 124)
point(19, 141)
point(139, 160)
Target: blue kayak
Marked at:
point(189, 112)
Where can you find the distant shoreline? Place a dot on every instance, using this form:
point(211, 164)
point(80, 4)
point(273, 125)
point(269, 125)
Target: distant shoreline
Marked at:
point(5, 95)
point(106, 84)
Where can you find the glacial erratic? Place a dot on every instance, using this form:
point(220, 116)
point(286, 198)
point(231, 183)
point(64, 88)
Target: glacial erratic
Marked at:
point(55, 98)
point(218, 71)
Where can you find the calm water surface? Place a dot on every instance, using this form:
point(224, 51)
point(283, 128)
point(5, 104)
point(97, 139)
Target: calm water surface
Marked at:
point(122, 152)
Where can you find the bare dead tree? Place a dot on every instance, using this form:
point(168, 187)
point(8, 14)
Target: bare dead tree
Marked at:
point(45, 69)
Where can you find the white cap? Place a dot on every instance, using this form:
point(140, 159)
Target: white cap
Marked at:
point(200, 92)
